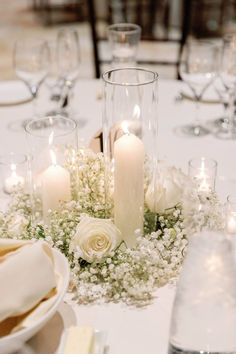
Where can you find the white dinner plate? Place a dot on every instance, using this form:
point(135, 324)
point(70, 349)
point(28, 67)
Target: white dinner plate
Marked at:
point(13, 93)
point(99, 341)
point(209, 96)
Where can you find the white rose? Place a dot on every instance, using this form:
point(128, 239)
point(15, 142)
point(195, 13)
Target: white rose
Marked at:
point(95, 238)
point(168, 188)
point(17, 225)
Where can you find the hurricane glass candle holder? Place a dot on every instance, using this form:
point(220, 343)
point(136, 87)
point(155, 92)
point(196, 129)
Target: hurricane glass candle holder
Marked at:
point(14, 172)
point(124, 39)
point(52, 140)
point(130, 145)
point(203, 171)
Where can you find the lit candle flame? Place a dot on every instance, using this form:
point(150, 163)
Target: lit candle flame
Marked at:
point(13, 167)
point(53, 157)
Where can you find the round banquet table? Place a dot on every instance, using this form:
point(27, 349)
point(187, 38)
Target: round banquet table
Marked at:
point(136, 330)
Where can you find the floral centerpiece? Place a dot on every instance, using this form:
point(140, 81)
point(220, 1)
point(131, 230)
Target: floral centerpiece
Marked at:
point(103, 268)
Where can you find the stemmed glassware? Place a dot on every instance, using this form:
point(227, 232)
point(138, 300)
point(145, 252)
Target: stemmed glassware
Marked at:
point(227, 73)
point(198, 68)
point(53, 80)
point(222, 122)
point(68, 60)
point(31, 59)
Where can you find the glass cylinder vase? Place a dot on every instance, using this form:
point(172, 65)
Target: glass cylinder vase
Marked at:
point(130, 146)
point(53, 143)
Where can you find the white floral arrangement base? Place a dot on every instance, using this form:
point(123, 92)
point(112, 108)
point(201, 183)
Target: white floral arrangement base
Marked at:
point(102, 267)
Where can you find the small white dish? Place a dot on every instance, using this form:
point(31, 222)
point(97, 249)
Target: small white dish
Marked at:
point(100, 338)
point(13, 93)
point(15, 341)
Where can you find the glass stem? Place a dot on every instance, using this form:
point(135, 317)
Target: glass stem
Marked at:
point(67, 97)
point(34, 91)
point(231, 110)
point(197, 109)
point(226, 110)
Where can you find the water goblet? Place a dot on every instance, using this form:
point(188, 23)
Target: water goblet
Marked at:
point(53, 81)
point(31, 60)
point(68, 62)
point(198, 67)
point(227, 73)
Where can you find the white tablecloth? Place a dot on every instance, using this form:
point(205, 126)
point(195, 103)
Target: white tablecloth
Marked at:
point(130, 330)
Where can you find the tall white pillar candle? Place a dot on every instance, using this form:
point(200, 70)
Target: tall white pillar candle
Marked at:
point(55, 182)
point(129, 187)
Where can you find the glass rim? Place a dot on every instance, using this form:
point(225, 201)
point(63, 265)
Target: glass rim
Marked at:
point(134, 28)
point(22, 159)
point(213, 162)
point(70, 29)
point(195, 41)
point(107, 81)
point(58, 117)
point(30, 40)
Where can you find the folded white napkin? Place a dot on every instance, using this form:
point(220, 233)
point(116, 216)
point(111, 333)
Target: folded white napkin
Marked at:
point(29, 285)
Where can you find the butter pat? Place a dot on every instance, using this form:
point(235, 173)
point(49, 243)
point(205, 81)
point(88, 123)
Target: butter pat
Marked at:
point(80, 340)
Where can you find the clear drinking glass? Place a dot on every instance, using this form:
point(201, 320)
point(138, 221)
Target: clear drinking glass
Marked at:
point(68, 63)
point(228, 76)
point(204, 311)
point(124, 39)
point(130, 145)
point(198, 68)
point(31, 61)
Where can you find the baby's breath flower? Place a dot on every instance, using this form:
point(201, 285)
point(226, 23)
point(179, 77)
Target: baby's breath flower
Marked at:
point(128, 275)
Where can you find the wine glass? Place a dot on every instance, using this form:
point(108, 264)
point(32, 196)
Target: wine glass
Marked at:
point(228, 75)
point(198, 68)
point(31, 59)
point(53, 80)
point(68, 60)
